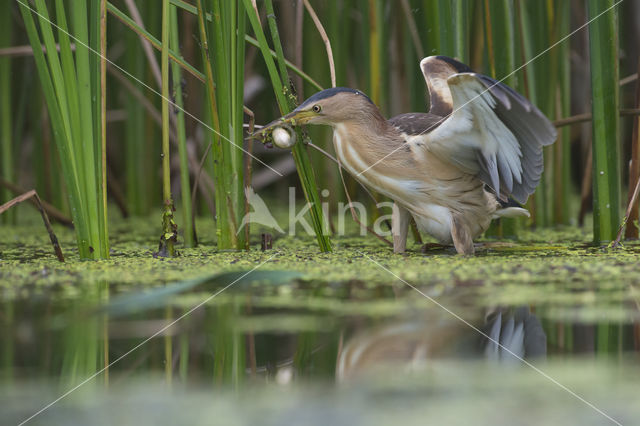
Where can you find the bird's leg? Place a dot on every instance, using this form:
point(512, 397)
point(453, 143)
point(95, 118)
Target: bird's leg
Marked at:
point(461, 235)
point(399, 227)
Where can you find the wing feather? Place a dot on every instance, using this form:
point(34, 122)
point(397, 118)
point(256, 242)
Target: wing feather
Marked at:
point(436, 71)
point(492, 131)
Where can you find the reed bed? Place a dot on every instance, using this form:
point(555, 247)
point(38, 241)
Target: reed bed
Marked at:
point(201, 54)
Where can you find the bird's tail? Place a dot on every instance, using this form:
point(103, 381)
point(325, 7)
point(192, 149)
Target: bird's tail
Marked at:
point(510, 208)
point(511, 212)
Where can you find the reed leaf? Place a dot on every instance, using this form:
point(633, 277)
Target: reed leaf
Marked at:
point(74, 102)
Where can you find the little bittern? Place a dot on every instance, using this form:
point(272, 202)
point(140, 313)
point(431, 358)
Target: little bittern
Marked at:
point(453, 169)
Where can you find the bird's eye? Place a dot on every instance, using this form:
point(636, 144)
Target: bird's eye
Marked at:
point(317, 108)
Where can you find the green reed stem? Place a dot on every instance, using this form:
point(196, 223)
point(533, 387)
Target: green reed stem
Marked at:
point(169, 228)
point(240, 180)
point(562, 147)
point(550, 78)
point(534, 32)
point(101, 152)
point(221, 215)
point(504, 41)
point(501, 48)
point(300, 155)
point(603, 48)
point(286, 103)
point(462, 25)
point(376, 59)
point(6, 116)
point(446, 28)
point(230, 102)
point(176, 71)
point(338, 31)
point(135, 140)
point(225, 63)
point(166, 166)
point(211, 106)
point(431, 16)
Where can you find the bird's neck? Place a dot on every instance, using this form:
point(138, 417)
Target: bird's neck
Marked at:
point(362, 144)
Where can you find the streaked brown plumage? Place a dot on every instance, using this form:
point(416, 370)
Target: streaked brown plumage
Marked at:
point(452, 168)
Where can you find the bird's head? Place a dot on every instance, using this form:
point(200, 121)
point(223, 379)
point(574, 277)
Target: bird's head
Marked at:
point(330, 107)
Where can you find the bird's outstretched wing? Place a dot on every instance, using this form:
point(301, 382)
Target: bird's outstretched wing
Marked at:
point(490, 130)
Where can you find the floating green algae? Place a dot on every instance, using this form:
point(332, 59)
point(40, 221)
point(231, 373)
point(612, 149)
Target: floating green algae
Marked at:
point(555, 268)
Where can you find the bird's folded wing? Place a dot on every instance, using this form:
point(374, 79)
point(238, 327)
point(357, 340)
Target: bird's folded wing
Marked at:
point(493, 132)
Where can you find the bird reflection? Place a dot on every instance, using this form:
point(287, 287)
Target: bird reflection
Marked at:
point(504, 335)
point(514, 336)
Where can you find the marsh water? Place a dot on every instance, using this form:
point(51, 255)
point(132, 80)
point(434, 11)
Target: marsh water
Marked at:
point(533, 332)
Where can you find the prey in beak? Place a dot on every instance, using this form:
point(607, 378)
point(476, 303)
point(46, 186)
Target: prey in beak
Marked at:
point(280, 132)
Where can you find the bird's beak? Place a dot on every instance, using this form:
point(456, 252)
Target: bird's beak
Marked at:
point(294, 118)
